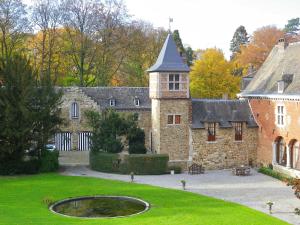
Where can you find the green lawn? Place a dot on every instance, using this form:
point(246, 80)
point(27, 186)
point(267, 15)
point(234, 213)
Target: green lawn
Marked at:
point(21, 202)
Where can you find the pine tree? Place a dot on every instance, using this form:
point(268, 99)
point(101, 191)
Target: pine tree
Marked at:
point(240, 37)
point(178, 42)
point(293, 26)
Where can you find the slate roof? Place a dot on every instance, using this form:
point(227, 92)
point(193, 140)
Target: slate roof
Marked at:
point(280, 64)
point(221, 111)
point(123, 96)
point(169, 59)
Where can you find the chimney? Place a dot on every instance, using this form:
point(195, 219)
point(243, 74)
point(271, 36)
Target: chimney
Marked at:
point(283, 43)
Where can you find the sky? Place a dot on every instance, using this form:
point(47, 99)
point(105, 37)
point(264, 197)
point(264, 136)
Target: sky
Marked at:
point(212, 23)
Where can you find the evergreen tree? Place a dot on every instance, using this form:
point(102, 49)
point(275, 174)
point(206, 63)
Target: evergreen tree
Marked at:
point(240, 37)
point(293, 26)
point(178, 42)
point(29, 112)
point(189, 56)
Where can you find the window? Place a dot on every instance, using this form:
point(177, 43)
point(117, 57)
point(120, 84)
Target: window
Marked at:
point(112, 102)
point(74, 110)
point(136, 102)
point(238, 129)
point(170, 119)
point(174, 81)
point(211, 132)
point(280, 112)
point(177, 119)
point(174, 119)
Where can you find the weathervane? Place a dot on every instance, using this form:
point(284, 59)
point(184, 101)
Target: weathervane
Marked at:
point(170, 21)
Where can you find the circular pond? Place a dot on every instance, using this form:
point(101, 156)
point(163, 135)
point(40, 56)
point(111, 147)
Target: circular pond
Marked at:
point(100, 206)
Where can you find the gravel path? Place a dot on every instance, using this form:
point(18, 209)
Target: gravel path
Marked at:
point(253, 191)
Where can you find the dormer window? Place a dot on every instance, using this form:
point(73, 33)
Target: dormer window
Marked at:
point(136, 101)
point(74, 110)
point(280, 86)
point(174, 81)
point(112, 102)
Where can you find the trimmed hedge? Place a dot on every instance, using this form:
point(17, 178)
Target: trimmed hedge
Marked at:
point(104, 162)
point(17, 167)
point(145, 164)
point(136, 163)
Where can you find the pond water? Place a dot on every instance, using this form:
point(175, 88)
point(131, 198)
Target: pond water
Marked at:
point(100, 206)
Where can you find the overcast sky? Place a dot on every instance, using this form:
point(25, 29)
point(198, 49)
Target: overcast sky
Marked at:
point(211, 23)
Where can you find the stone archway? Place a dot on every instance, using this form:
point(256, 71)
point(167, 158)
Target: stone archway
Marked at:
point(295, 154)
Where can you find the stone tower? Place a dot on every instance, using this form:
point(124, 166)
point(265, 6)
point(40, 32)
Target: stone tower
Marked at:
point(170, 97)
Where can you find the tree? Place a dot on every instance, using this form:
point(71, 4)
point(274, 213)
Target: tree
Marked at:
point(211, 76)
point(46, 17)
point(260, 46)
point(13, 27)
point(293, 26)
point(190, 57)
point(240, 38)
point(178, 42)
point(29, 113)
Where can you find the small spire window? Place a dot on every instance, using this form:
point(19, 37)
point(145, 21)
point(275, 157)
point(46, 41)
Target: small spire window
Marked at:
point(112, 102)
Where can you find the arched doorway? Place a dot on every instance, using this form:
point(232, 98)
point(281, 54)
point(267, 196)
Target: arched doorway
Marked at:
point(280, 151)
point(295, 154)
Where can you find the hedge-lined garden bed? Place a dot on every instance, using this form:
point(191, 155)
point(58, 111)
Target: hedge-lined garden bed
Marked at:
point(136, 163)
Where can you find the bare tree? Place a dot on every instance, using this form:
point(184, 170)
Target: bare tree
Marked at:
point(79, 20)
point(14, 25)
point(45, 15)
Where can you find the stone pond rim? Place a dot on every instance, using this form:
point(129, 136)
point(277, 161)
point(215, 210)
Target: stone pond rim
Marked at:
point(146, 205)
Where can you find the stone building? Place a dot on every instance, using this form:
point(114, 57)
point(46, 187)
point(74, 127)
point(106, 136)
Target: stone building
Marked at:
point(216, 133)
point(274, 96)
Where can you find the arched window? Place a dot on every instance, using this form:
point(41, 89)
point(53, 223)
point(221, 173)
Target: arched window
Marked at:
point(281, 152)
point(74, 110)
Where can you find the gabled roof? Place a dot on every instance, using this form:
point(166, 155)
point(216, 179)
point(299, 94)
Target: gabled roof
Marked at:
point(220, 111)
point(124, 97)
point(169, 60)
point(282, 62)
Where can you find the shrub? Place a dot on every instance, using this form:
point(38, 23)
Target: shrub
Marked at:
point(274, 174)
point(137, 148)
point(136, 163)
point(177, 169)
point(20, 167)
point(295, 183)
point(145, 164)
point(104, 162)
point(49, 161)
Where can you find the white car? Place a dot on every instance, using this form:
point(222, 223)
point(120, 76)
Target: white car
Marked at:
point(50, 147)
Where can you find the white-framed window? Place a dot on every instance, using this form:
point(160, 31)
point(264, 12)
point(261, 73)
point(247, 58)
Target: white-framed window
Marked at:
point(280, 115)
point(137, 102)
point(174, 82)
point(112, 102)
point(74, 110)
point(174, 119)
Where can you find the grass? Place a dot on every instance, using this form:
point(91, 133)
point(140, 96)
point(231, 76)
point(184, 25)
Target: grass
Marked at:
point(21, 203)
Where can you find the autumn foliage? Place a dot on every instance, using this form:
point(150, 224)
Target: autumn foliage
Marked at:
point(211, 76)
point(261, 44)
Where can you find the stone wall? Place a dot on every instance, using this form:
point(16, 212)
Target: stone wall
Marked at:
point(225, 152)
point(171, 139)
point(74, 94)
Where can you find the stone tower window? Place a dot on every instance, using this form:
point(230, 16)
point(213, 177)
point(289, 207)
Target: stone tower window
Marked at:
point(174, 119)
point(174, 82)
point(211, 132)
point(238, 131)
point(74, 110)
